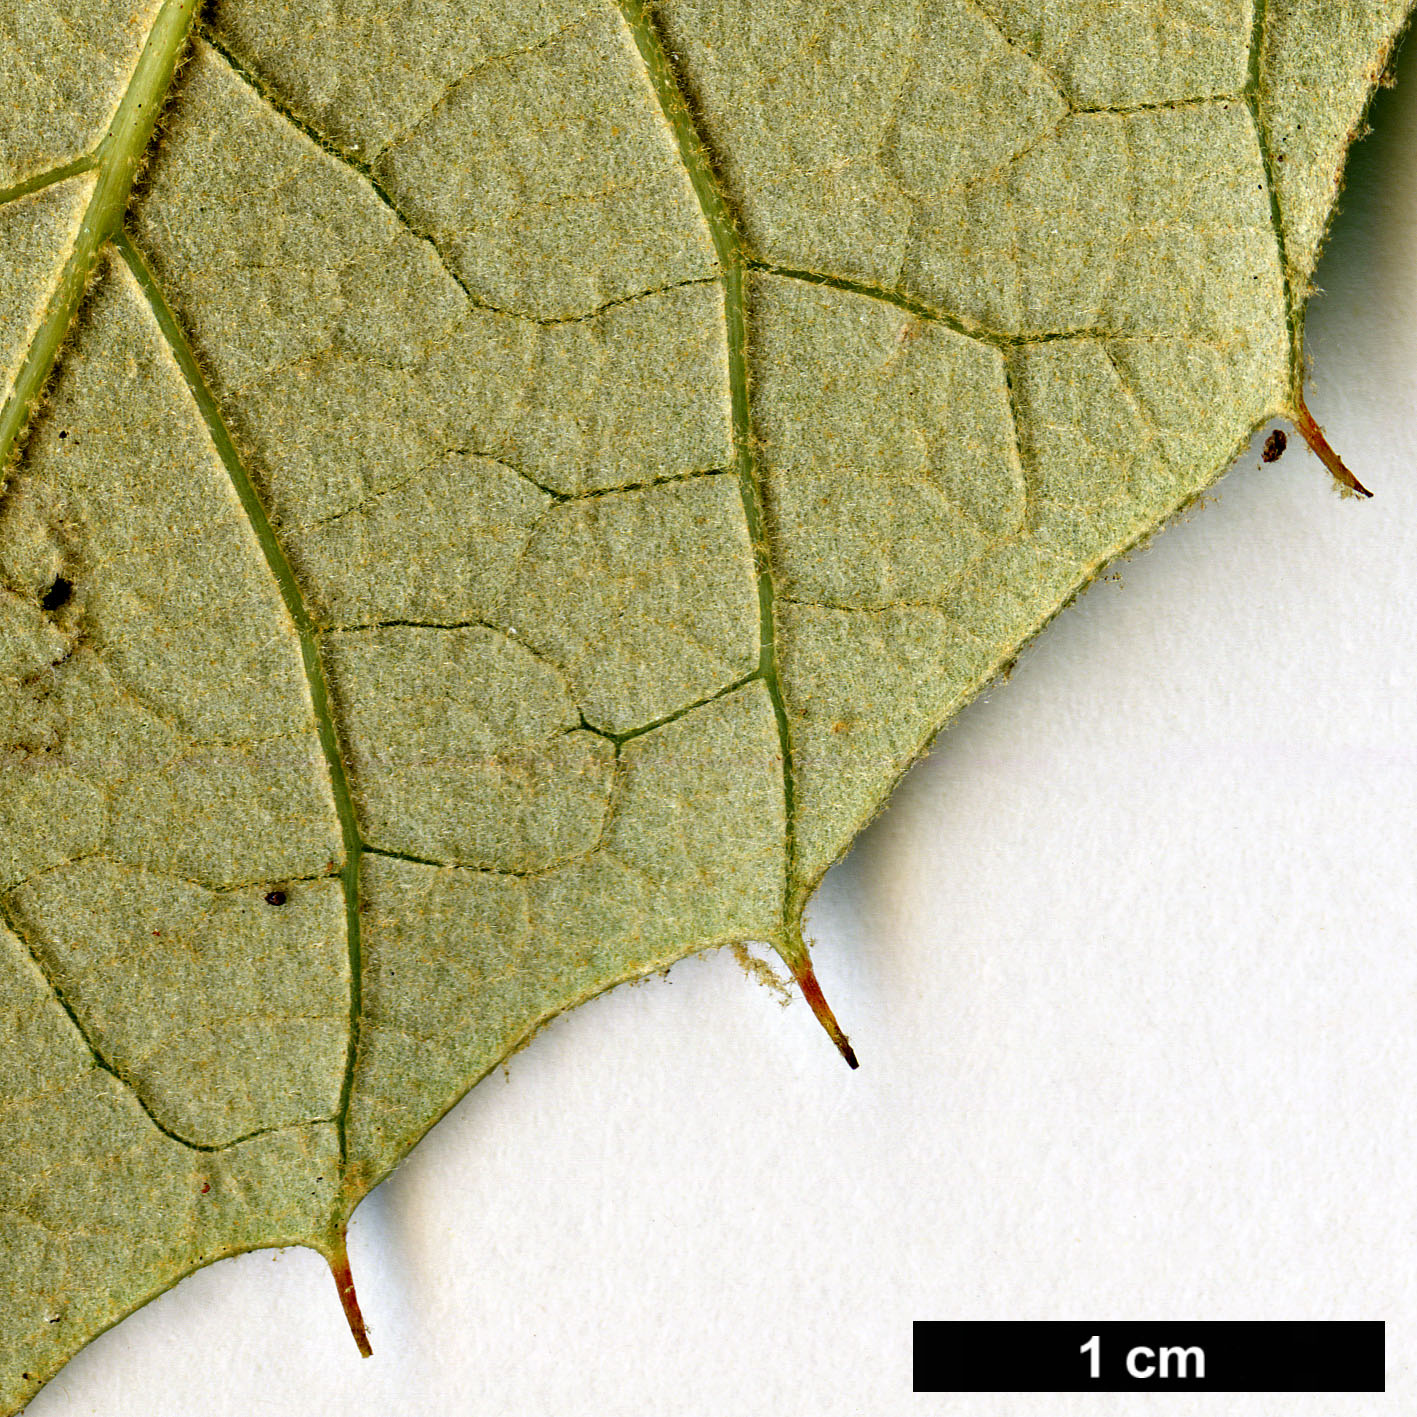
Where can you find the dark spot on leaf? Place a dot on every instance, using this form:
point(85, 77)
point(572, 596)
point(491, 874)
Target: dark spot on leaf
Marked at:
point(58, 594)
point(1274, 446)
point(63, 432)
point(206, 1186)
point(275, 897)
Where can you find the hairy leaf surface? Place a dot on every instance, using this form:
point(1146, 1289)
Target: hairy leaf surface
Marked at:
point(496, 495)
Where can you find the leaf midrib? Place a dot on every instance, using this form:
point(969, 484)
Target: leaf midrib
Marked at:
point(116, 160)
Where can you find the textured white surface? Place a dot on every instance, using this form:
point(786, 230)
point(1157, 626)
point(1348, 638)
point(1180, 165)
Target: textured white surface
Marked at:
point(1130, 966)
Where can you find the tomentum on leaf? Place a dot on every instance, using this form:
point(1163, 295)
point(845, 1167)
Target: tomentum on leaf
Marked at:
point(496, 495)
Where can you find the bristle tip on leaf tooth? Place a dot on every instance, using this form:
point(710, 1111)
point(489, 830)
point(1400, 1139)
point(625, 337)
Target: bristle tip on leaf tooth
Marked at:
point(806, 979)
point(338, 1261)
point(1313, 435)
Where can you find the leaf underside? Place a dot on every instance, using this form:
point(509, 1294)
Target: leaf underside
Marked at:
point(497, 494)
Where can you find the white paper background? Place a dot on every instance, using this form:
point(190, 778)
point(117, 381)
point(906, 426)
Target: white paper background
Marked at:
point(1130, 966)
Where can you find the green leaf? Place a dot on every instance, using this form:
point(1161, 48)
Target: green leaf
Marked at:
point(495, 500)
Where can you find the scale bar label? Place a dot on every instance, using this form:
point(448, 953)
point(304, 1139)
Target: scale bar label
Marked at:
point(1166, 1356)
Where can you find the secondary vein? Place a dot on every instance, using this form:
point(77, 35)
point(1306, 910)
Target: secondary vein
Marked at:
point(693, 152)
point(729, 247)
point(1295, 293)
point(284, 575)
point(1252, 96)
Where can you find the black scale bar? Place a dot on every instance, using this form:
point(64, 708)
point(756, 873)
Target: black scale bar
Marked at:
point(1164, 1356)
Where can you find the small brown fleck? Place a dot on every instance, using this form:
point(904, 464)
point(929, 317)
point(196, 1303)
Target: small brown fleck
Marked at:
point(206, 1186)
point(275, 897)
point(1274, 446)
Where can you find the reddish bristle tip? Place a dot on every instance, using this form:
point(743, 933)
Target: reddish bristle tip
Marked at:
point(338, 1262)
point(1322, 449)
point(812, 992)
